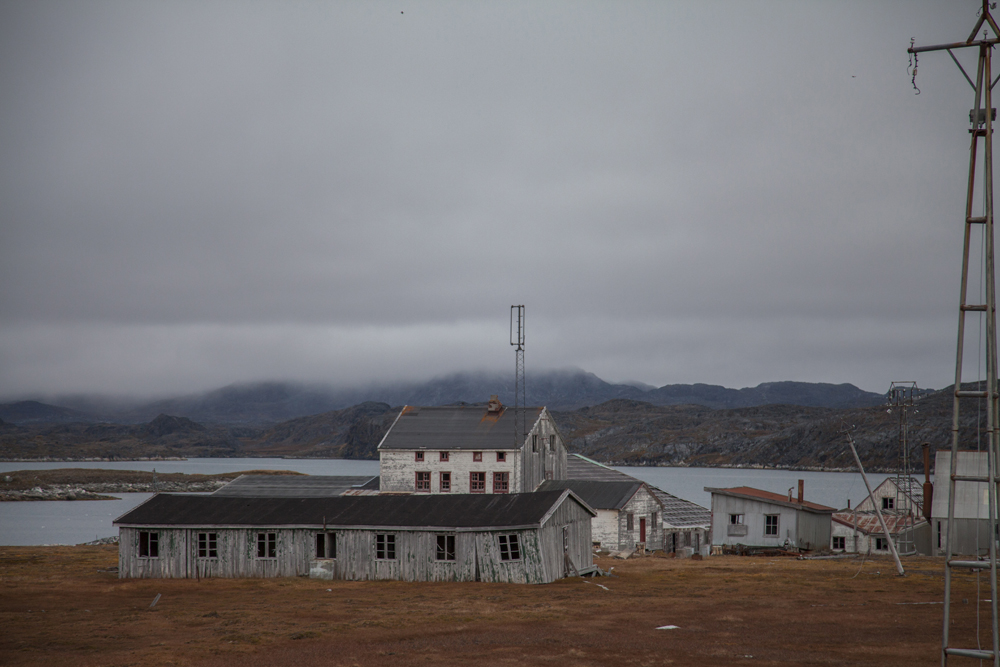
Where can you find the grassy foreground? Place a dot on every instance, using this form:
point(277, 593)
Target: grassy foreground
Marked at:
point(61, 606)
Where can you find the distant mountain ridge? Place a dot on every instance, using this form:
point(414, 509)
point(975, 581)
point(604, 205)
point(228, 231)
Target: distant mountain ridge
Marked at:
point(263, 403)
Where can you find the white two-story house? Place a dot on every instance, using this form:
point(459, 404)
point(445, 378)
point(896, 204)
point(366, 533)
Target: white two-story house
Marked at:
point(469, 449)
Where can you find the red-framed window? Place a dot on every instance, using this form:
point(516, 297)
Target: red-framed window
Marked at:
point(418, 457)
point(501, 457)
point(444, 457)
point(477, 482)
point(444, 482)
point(501, 482)
point(423, 483)
point(477, 457)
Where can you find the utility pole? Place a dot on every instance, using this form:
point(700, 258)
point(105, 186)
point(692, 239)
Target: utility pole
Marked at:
point(981, 118)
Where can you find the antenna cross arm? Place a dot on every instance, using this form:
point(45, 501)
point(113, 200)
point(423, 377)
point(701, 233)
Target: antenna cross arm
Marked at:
point(956, 45)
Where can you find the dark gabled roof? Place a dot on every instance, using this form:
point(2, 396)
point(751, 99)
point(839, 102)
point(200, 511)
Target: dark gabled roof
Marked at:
point(580, 467)
point(292, 486)
point(455, 427)
point(599, 495)
point(750, 493)
point(681, 513)
point(410, 511)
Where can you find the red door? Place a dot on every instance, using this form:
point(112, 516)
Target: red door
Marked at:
point(642, 530)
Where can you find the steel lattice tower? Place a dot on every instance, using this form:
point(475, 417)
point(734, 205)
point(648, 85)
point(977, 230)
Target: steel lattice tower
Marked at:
point(981, 118)
point(517, 340)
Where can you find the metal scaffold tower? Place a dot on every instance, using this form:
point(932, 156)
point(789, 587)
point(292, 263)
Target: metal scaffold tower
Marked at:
point(517, 340)
point(981, 118)
point(901, 397)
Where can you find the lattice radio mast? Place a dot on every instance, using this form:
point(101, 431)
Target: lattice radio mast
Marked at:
point(982, 118)
point(517, 340)
point(901, 397)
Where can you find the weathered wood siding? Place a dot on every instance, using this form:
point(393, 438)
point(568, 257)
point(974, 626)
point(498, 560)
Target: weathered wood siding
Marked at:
point(578, 545)
point(549, 462)
point(604, 529)
point(641, 506)
point(801, 529)
point(398, 469)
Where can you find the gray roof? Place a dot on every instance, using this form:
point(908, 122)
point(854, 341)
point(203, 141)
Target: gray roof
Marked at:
point(390, 511)
point(599, 495)
point(455, 427)
point(681, 513)
point(293, 486)
point(580, 467)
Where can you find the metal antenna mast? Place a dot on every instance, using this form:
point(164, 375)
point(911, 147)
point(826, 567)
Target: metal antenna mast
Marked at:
point(517, 340)
point(901, 397)
point(982, 118)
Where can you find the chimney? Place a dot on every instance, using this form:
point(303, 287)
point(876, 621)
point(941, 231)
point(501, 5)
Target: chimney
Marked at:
point(494, 406)
point(802, 487)
point(928, 487)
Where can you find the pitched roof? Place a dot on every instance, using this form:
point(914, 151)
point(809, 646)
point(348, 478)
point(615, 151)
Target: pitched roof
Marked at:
point(456, 427)
point(750, 493)
point(868, 523)
point(580, 467)
point(599, 495)
point(293, 486)
point(681, 513)
point(410, 511)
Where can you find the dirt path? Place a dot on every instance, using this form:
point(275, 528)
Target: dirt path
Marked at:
point(60, 606)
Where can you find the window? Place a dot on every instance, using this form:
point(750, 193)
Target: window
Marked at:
point(839, 542)
point(418, 457)
point(552, 443)
point(423, 482)
point(735, 519)
point(445, 482)
point(326, 545)
point(477, 482)
point(652, 520)
point(629, 521)
point(509, 547)
point(501, 482)
point(888, 503)
point(149, 544)
point(477, 456)
point(445, 547)
point(208, 545)
point(267, 545)
point(534, 442)
point(881, 544)
point(771, 524)
point(501, 457)
point(385, 547)
point(444, 457)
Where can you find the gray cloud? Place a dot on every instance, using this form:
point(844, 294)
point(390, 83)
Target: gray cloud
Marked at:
point(196, 193)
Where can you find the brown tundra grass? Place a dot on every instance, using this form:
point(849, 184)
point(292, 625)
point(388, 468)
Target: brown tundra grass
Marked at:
point(61, 606)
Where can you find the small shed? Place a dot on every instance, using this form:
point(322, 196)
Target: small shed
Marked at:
point(761, 519)
point(854, 531)
point(628, 514)
point(686, 525)
point(512, 538)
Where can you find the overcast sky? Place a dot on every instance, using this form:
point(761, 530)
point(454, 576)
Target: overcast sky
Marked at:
point(199, 193)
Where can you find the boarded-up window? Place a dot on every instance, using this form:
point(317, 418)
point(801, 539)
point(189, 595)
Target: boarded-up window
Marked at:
point(629, 521)
point(501, 482)
point(771, 524)
point(477, 482)
point(326, 545)
point(267, 545)
point(501, 457)
point(208, 545)
point(445, 480)
point(445, 547)
point(477, 456)
point(149, 544)
point(423, 482)
point(510, 549)
point(385, 546)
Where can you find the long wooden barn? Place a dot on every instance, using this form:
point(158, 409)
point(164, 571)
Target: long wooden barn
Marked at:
point(512, 538)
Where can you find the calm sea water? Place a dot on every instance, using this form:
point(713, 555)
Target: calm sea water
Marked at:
point(73, 522)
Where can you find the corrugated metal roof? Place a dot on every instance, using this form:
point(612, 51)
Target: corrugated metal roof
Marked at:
point(455, 427)
point(580, 467)
point(750, 493)
point(444, 511)
point(292, 486)
point(599, 495)
point(868, 523)
point(681, 513)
